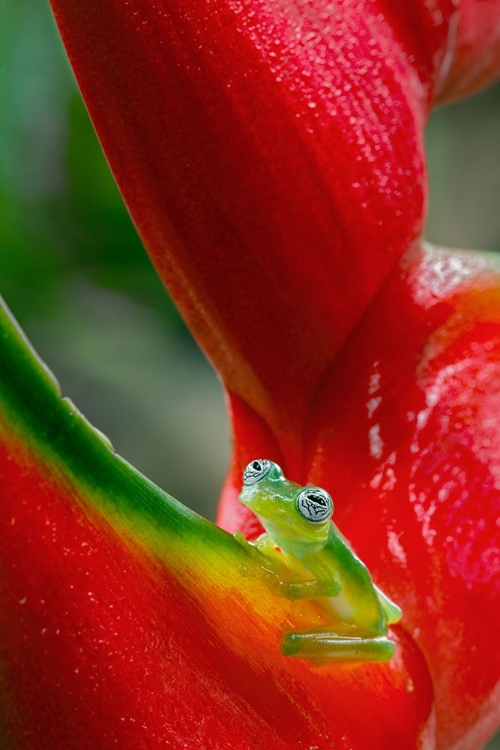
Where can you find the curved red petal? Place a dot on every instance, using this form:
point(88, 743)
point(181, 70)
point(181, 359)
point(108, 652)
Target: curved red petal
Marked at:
point(271, 155)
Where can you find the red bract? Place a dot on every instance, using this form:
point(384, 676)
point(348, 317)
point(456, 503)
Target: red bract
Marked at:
point(271, 156)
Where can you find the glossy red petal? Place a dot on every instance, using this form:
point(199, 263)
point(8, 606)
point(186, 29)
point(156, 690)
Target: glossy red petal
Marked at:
point(271, 156)
point(405, 435)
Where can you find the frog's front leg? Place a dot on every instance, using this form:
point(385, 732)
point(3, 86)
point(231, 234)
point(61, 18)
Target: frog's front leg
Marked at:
point(264, 545)
point(313, 588)
point(325, 645)
point(267, 556)
point(287, 584)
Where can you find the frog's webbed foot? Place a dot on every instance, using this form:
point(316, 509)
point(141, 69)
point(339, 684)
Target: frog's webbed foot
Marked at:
point(263, 548)
point(263, 543)
point(238, 536)
point(325, 646)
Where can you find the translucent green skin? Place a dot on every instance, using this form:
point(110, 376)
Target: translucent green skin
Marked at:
point(315, 561)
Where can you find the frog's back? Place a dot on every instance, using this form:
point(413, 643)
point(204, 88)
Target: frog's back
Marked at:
point(359, 596)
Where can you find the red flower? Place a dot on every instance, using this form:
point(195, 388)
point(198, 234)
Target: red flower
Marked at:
point(271, 155)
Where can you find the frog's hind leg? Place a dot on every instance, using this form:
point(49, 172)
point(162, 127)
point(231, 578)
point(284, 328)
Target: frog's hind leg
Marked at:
point(324, 646)
point(392, 612)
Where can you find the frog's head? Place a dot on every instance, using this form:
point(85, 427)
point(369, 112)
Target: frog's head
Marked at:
point(290, 513)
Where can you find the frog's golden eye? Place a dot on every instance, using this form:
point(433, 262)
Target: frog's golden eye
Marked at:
point(315, 504)
point(256, 470)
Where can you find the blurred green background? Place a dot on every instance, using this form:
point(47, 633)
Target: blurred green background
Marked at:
point(74, 272)
point(76, 276)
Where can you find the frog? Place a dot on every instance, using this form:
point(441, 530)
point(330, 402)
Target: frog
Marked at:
point(308, 558)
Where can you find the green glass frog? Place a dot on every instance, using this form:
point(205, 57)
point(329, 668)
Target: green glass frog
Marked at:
point(310, 559)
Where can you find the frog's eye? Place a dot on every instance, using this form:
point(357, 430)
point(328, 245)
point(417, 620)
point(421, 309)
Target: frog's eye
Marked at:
point(256, 470)
point(315, 504)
